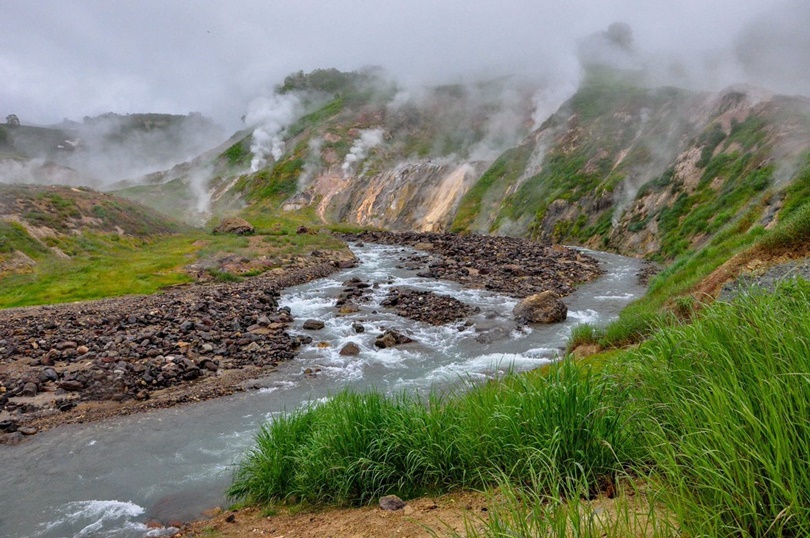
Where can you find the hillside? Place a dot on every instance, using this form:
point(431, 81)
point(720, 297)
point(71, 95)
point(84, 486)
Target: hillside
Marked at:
point(643, 171)
point(62, 244)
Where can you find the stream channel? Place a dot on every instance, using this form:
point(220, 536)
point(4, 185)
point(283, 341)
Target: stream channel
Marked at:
point(108, 478)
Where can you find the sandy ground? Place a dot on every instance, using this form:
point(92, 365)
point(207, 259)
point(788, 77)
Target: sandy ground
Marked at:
point(420, 518)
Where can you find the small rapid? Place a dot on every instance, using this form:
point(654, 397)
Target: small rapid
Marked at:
point(109, 478)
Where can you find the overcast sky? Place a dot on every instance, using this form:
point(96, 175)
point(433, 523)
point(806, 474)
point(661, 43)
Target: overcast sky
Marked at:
point(68, 58)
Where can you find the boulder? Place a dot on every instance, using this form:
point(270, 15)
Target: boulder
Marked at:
point(235, 226)
point(391, 503)
point(349, 350)
point(544, 307)
point(313, 325)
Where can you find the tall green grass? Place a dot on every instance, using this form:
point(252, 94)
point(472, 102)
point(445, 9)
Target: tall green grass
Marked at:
point(357, 447)
point(728, 401)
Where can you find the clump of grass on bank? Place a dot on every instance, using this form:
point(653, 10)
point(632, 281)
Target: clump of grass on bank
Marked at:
point(357, 447)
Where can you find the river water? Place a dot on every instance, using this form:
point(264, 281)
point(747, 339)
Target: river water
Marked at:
point(109, 478)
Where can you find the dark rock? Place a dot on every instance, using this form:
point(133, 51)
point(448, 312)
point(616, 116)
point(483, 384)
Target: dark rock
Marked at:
point(392, 503)
point(545, 307)
point(71, 385)
point(8, 426)
point(65, 405)
point(358, 328)
point(29, 390)
point(313, 325)
point(349, 350)
point(391, 338)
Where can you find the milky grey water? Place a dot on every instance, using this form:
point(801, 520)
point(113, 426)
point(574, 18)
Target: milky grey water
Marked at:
point(108, 478)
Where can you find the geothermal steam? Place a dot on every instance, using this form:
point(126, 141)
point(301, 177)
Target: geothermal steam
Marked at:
point(369, 138)
point(270, 116)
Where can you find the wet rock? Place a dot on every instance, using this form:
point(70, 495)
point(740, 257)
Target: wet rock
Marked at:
point(391, 338)
point(358, 327)
point(11, 439)
point(349, 350)
point(392, 503)
point(545, 307)
point(235, 226)
point(313, 325)
point(349, 308)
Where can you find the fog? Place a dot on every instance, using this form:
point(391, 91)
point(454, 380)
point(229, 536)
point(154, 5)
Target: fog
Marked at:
point(71, 58)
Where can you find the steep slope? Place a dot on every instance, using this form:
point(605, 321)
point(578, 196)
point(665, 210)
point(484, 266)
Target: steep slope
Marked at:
point(651, 172)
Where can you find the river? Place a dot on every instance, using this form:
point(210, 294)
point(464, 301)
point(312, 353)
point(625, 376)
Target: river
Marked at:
point(109, 478)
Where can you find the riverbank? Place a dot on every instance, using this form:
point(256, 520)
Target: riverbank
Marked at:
point(82, 362)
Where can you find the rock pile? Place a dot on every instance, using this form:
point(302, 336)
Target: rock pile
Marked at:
point(515, 267)
point(123, 349)
point(426, 306)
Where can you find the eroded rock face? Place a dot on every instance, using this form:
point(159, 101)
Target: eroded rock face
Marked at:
point(545, 307)
point(235, 226)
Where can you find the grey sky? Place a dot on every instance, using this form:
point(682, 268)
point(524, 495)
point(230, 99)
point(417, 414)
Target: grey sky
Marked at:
point(67, 58)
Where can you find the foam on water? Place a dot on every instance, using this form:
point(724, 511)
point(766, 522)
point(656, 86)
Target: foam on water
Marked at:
point(94, 518)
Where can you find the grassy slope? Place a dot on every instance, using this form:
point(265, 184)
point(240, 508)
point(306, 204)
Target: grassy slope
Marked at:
point(110, 247)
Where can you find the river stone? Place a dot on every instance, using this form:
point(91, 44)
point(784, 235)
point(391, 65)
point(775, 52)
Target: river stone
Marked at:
point(11, 438)
point(71, 385)
point(358, 328)
point(234, 225)
point(545, 307)
point(390, 339)
point(349, 308)
point(391, 503)
point(349, 350)
point(313, 325)
point(29, 389)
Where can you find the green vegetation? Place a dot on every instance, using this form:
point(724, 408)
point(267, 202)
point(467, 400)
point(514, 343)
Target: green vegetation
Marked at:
point(504, 172)
point(238, 154)
point(356, 447)
point(104, 266)
point(711, 417)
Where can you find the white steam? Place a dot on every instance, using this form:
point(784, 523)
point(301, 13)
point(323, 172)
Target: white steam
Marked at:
point(369, 138)
point(270, 116)
point(312, 163)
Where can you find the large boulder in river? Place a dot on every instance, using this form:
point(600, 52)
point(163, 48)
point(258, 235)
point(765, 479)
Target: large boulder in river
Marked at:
point(545, 307)
point(235, 226)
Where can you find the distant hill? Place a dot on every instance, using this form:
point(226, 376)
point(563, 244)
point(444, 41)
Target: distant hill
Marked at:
point(110, 147)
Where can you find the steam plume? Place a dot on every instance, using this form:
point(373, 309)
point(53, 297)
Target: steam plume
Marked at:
point(368, 139)
point(270, 116)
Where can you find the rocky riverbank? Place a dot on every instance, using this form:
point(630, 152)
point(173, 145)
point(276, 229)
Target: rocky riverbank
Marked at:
point(84, 361)
point(508, 265)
